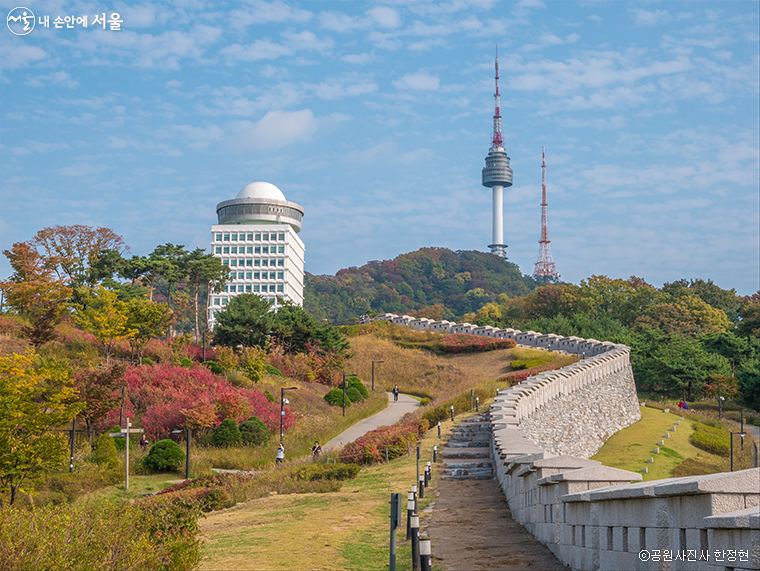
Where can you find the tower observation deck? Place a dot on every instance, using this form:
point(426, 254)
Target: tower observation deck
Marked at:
point(497, 175)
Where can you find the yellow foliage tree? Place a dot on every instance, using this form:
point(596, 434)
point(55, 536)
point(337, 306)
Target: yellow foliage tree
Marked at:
point(106, 318)
point(707, 317)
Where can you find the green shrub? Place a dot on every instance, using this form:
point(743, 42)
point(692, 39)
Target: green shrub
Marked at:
point(353, 394)
point(227, 434)
point(710, 439)
point(272, 370)
point(335, 397)
point(164, 456)
point(213, 367)
point(254, 432)
point(104, 454)
point(270, 398)
point(146, 361)
point(312, 472)
point(120, 442)
point(185, 362)
point(356, 383)
point(695, 467)
point(424, 401)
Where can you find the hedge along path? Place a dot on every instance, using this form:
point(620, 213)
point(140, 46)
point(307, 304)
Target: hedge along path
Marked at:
point(345, 530)
point(390, 415)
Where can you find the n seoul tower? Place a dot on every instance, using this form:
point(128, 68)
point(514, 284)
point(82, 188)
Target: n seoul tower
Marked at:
point(497, 175)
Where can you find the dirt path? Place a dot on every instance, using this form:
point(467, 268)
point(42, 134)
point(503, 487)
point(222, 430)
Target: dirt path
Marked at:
point(472, 528)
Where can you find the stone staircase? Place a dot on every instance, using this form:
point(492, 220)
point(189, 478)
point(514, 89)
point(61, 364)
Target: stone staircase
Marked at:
point(467, 455)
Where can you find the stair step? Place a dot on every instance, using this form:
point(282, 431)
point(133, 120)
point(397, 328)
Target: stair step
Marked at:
point(486, 464)
point(467, 444)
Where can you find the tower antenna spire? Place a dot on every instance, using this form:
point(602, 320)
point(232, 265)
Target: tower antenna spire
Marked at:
point(497, 175)
point(545, 263)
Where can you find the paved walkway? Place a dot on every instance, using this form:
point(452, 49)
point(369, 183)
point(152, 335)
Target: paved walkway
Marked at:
point(385, 417)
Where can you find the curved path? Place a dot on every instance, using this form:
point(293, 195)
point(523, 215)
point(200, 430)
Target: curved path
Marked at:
point(389, 415)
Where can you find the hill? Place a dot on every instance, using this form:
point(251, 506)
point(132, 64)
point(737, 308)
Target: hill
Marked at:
point(435, 282)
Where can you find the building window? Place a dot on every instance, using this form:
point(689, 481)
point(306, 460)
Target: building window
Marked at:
point(248, 289)
point(264, 262)
point(257, 250)
point(265, 236)
point(256, 275)
point(232, 275)
point(218, 250)
point(266, 249)
point(224, 301)
point(271, 287)
point(256, 262)
point(281, 237)
point(216, 301)
point(271, 275)
point(234, 249)
point(248, 262)
point(272, 262)
point(226, 237)
point(218, 237)
point(240, 288)
point(248, 275)
point(280, 288)
point(234, 237)
point(256, 289)
point(280, 262)
point(250, 237)
point(242, 263)
point(249, 249)
point(280, 249)
point(258, 236)
point(226, 249)
point(233, 262)
point(280, 275)
point(225, 262)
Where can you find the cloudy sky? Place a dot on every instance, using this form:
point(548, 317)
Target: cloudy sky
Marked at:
point(376, 117)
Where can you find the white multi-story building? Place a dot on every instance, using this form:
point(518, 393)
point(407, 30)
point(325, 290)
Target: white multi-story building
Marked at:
point(257, 237)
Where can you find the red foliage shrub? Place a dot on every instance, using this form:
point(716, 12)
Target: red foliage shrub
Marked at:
point(195, 353)
point(516, 377)
point(162, 396)
point(11, 326)
point(314, 365)
point(158, 351)
point(464, 343)
point(371, 447)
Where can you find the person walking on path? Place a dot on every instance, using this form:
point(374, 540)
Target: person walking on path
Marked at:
point(316, 449)
point(280, 454)
point(143, 443)
point(395, 393)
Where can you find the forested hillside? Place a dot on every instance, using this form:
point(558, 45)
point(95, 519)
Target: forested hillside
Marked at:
point(433, 282)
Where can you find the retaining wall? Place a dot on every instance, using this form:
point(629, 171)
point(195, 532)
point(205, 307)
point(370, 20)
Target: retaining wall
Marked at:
point(597, 518)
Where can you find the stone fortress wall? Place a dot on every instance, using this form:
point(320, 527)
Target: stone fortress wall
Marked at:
point(591, 516)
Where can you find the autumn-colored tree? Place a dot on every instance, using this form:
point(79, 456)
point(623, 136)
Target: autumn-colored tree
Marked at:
point(36, 396)
point(105, 317)
point(226, 358)
point(749, 324)
point(71, 251)
point(148, 320)
point(202, 416)
point(606, 294)
point(99, 389)
point(33, 291)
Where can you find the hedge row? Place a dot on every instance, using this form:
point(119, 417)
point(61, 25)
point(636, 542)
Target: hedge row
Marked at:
point(710, 439)
point(464, 343)
point(371, 447)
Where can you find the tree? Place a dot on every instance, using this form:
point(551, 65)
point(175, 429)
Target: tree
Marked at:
point(36, 396)
point(147, 320)
point(245, 321)
point(106, 318)
point(172, 261)
point(606, 294)
point(734, 348)
point(205, 270)
point(99, 391)
point(71, 251)
point(749, 313)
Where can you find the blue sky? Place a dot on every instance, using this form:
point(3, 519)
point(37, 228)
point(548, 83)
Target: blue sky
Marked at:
point(376, 117)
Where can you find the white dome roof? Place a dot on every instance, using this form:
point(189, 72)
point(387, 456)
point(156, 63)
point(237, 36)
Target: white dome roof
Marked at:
point(261, 190)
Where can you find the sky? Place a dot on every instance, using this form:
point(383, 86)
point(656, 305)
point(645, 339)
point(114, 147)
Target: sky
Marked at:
point(376, 117)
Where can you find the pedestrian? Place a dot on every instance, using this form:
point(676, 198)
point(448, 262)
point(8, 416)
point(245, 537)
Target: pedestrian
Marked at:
point(680, 404)
point(280, 453)
point(316, 449)
point(395, 393)
point(143, 443)
point(685, 406)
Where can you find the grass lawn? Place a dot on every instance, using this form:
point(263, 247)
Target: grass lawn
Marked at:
point(348, 529)
point(138, 487)
point(631, 447)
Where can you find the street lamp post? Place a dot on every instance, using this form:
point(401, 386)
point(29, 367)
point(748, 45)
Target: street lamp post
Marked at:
point(742, 434)
point(373, 373)
point(282, 410)
point(344, 390)
point(720, 404)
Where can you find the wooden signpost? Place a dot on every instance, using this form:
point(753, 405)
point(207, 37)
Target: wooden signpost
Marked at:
point(125, 434)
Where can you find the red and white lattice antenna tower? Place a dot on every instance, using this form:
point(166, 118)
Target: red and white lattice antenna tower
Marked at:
point(545, 263)
point(497, 140)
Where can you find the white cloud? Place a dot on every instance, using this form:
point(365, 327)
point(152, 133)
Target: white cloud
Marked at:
point(258, 50)
point(275, 130)
point(420, 81)
point(82, 169)
point(56, 78)
point(173, 84)
point(654, 18)
point(267, 12)
point(385, 16)
point(17, 54)
point(357, 59)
